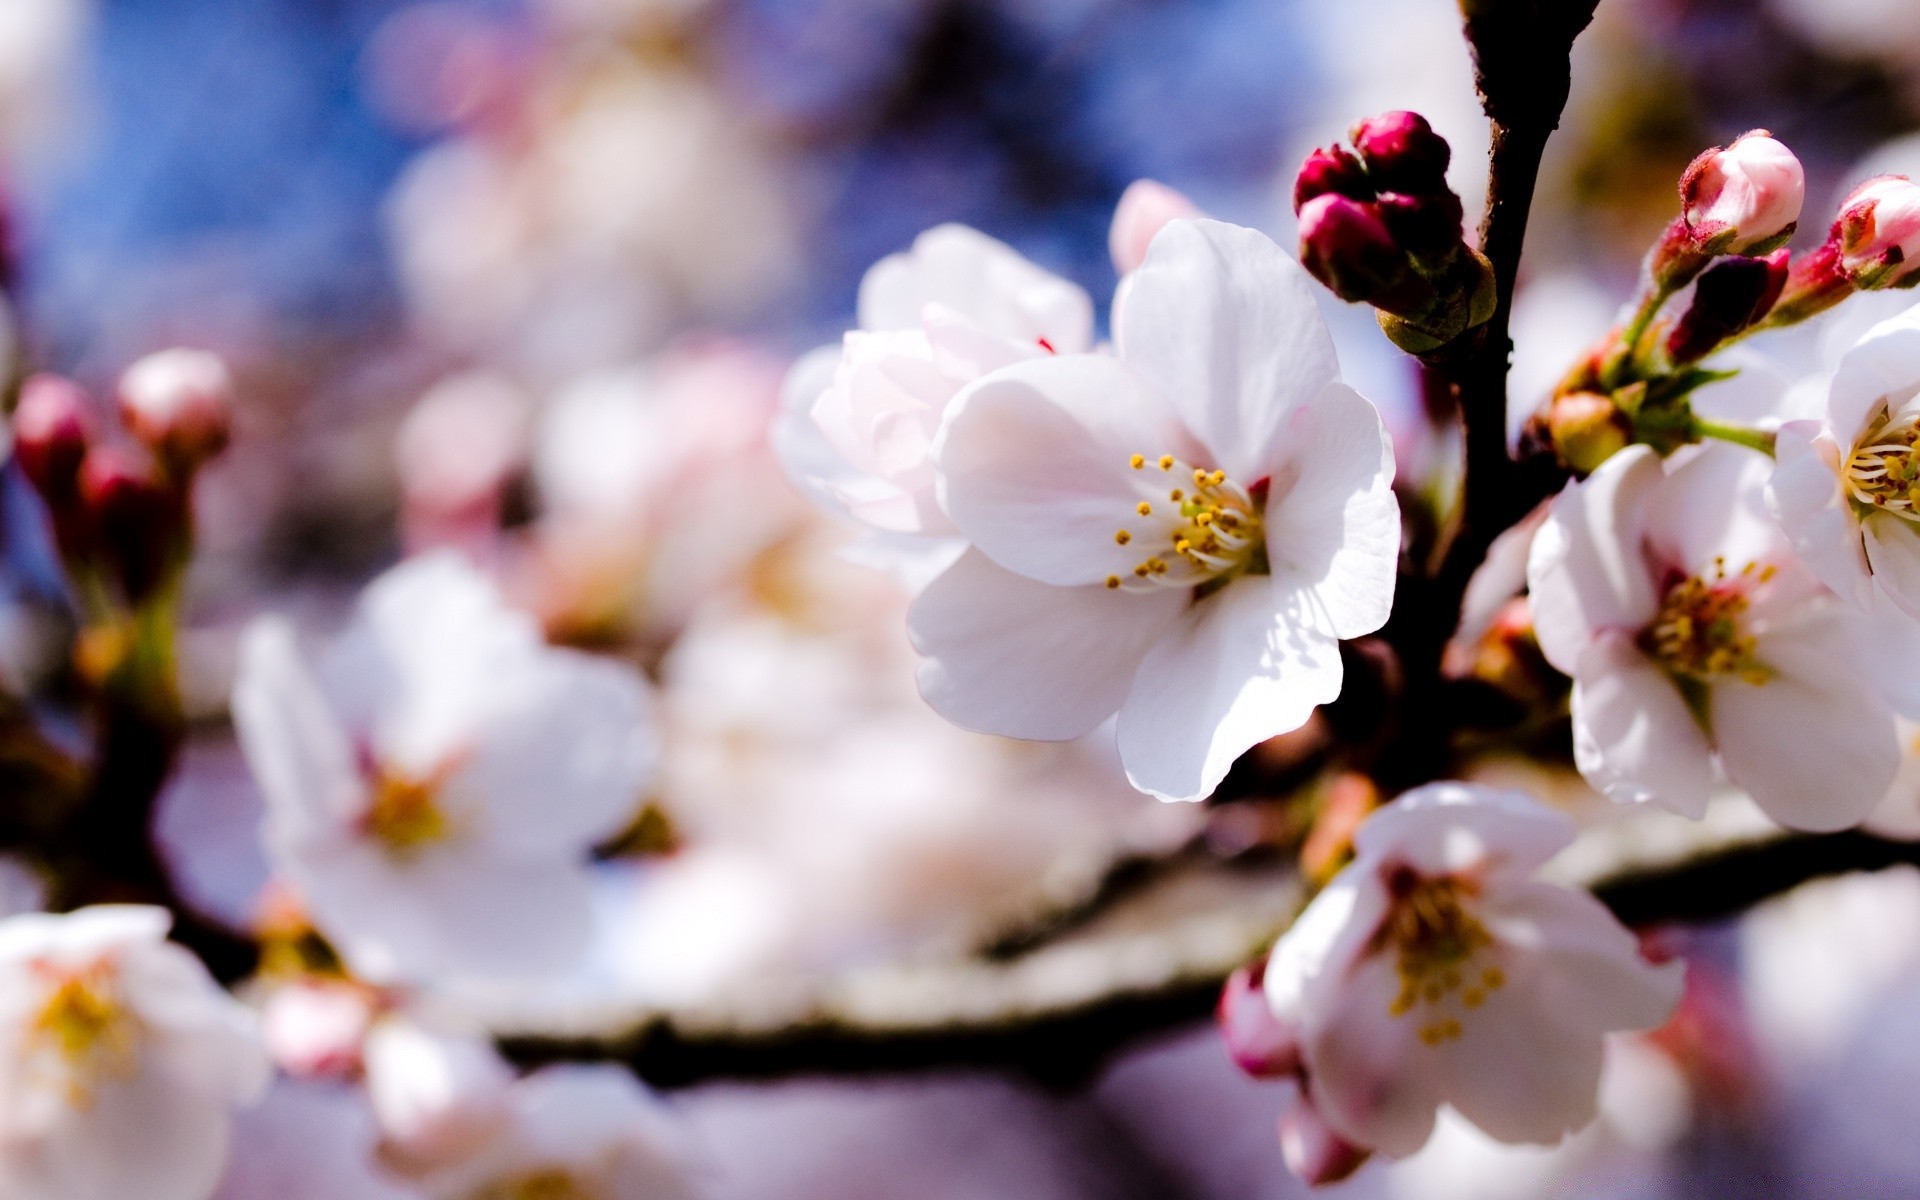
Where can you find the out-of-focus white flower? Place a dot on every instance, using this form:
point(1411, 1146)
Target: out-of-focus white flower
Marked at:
point(307, 1141)
point(41, 44)
point(456, 451)
point(1435, 970)
point(658, 490)
point(588, 1131)
point(179, 402)
point(1693, 635)
point(1743, 196)
point(121, 1061)
point(441, 1098)
point(315, 1027)
point(1180, 534)
point(1144, 210)
point(932, 320)
point(1847, 486)
point(433, 788)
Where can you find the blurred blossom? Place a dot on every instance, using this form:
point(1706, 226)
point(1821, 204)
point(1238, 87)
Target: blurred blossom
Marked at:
point(434, 783)
point(308, 1141)
point(121, 1061)
point(41, 42)
point(440, 1097)
point(457, 452)
point(314, 1027)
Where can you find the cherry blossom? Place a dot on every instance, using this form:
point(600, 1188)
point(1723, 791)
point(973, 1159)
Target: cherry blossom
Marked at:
point(1436, 970)
point(1744, 196)
point(434, 785)
point(1180, 534)
point(858, 426)
point(1693, 636)
point(121, 1062)
point(1846, 486)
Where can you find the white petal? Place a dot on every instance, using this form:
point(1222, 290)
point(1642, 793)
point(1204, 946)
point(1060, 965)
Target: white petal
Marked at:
point(983, 280)
point(1586, 571)
point(139, 1136)
point(1515, 1072)
point(299, 755)
point(1813, 747)
point(1333, 524)
point(1225, 322)
point(1248, 663)
point(1585, 968)
point(1367, 1071)
point(1450, 828)
point(1711, 508)
point(1010, 656)
point(1034, 465)
point(1307, 971)
point(1885, 363)
point(1634, 738)
point(1893, 554)
point(810, 461)
point(1806, 498)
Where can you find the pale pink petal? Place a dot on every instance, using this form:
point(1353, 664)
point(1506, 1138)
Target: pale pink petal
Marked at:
point(1711, 509)
point(1368, 1073)
point(1814, 747)
point(983, 280)
point(1248, 663)
point(1806, 498)
point(1586, 572)
point(301, 757)
point(1035, 466)
point(1584, 967)
point(1884, 364)
point(1144, 210)
point(1006, 655)
point(1494, 834)
point(1332, 521)
point(1634, 738)
point(1226, 325)
point(1893, 555)
point(1313, 1151)
point(1515, 1071)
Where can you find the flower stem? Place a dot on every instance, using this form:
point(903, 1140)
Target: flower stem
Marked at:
point(1739, 435)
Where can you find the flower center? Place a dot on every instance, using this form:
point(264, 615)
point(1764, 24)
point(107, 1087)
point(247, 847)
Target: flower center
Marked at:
point(551, 1184)
point(87, 1028)
point(403, 813)
point(1882, 474)
point(1441, 952)
point(1699, 634)
point(1192, 526)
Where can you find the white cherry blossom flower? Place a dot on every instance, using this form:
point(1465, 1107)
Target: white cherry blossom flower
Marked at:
point(1693, 636)
point(121, 1061)
point(1436, 970)
point(434, 786)
point(1847, 485)
point(1180, 534)
point(858, 426)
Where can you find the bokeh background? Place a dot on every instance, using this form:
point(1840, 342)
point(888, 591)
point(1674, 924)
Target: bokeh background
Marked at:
point(359, 200)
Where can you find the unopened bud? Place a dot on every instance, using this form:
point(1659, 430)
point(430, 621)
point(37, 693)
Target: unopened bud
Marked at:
point(1428, 227)
point(1744, 199)
point(180, 404)
point(1312, 1150)
point(1402, 153)
point(1259, 1043)
point(1144, 210)
point(134, 516)
point(52, 428)
point(1733, 295)
point(1879, 233)
point(1587, 429)
point(1332, 171)
point(1347, 247)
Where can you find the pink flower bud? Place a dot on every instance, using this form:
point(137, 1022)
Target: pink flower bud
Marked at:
point(52, 428)
point(1144, 209)
point(1348, 248)
point(1313, 1151)
point(1259, 1043)
point(1427, 227)
point(1744, 198)
point(1730, 297)
point(180, 403)
point(1331, 171)
point(316, 1029)
point(1402, 153)
point(134, 516)
point(1879, 232)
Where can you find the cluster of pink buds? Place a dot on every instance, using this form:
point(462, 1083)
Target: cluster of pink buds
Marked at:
point(119, 506)
point(1379, 225)
point(1741, 200)
point(1873, 244)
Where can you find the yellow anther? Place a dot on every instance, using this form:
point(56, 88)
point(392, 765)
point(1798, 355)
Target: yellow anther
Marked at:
point(1143, 508)
point(1142, 570)
point(1166, 462)
point(1494, 978)
point(1122, 537)
point(1137, 461)
point(1176, 495)
point(1473, 997)
point(1113, 581)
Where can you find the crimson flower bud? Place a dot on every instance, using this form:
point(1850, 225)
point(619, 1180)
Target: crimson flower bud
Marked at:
point(1745, 198)
point(1731, 296)
point(52, 428)
point(1879, 233)
point(1427, 227)
point(180, 404)
point(1347, 247)
point(1402, 153)
point(1258, 1042)
point(135, 517)
point(1332, 171)
point(1313, 1151)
